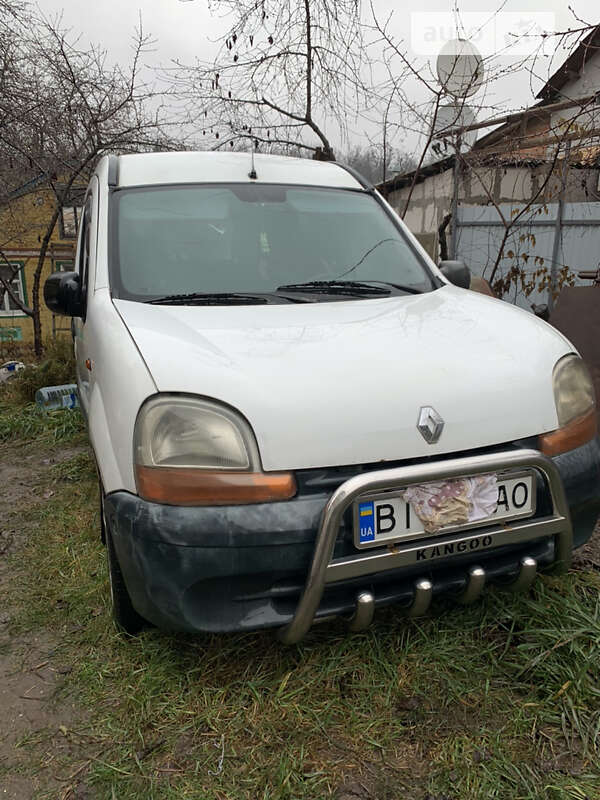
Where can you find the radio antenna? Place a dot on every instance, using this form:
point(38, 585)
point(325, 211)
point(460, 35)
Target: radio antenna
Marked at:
point(252, 174)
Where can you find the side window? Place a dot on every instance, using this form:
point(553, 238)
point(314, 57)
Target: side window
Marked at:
point(83, 255)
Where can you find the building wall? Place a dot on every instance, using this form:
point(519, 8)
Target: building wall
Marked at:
point(23, 224)
point(585, 84)
point(432, 198)
point(430, 201)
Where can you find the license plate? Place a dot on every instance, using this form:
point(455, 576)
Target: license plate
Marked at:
point(390, 519)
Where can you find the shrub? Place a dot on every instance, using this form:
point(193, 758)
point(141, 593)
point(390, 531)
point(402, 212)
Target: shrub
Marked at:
point(56, 368)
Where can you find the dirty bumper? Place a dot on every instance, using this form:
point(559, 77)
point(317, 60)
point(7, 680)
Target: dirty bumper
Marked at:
point(244, 567)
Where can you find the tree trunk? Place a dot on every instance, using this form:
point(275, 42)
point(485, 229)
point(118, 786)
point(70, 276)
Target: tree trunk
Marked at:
point(37, 277)
point(442, 237)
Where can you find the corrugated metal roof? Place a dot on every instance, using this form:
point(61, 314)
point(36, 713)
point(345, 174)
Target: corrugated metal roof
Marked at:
point(400, 181)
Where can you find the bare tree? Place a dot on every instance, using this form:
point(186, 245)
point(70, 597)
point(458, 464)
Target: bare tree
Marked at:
point(287, 70)
point(62, 107)
point(417, 97)
point(479, 166)
point(377, 162)
point(403, 75)
point(562, 143)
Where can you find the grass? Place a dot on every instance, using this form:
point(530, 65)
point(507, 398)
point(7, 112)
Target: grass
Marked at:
point(21, 419)
point(29, 422)
point(499, 700)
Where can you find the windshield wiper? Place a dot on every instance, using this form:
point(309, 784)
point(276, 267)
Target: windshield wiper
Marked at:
point(335, 287)
point(400, 286)
point(353, 288)
point(210, 299)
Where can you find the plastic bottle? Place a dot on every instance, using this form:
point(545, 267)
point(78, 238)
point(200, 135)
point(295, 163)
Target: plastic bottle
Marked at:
point(50, 398)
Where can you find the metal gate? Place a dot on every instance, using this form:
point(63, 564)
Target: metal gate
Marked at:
point(547, 244)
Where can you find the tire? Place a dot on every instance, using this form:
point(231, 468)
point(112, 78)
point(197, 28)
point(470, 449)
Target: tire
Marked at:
point(102, 521)
point(125, 617)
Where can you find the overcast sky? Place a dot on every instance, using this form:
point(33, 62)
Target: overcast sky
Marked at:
point(187, 30)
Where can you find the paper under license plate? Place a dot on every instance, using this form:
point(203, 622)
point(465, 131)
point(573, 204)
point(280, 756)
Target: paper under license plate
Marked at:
point(392, 519)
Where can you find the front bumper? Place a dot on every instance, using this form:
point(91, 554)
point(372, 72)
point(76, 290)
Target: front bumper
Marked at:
point(293, 563)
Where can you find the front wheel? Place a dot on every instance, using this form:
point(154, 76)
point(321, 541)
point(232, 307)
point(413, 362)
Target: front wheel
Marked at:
point(124, 614)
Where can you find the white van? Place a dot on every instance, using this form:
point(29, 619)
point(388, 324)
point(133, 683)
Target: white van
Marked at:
point(296, 415)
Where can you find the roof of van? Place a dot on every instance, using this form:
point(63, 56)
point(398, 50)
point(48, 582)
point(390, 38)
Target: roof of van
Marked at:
point(147, 169)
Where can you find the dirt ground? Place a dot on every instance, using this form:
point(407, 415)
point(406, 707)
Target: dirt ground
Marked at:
point(32, 707)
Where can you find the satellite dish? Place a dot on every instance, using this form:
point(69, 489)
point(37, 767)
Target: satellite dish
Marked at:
point(459, 68)
point(455, 115)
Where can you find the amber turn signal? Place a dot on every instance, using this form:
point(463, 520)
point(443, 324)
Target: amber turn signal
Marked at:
point(580, 431)
point(197, 487)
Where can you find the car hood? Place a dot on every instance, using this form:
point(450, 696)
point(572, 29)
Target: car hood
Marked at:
point(337, 383)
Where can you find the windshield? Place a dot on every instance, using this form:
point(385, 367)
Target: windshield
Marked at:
point(256, 239)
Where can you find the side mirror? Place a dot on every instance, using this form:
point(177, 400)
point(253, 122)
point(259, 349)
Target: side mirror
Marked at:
point(457, 273)
point(62, 294)
point(541, 310)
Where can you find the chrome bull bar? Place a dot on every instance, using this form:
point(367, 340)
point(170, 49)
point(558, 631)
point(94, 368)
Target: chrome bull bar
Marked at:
point(324, 570)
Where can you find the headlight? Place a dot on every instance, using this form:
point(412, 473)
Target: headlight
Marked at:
point(189, 451)
point(575, 407)
point(573, 389)
point(185, 432)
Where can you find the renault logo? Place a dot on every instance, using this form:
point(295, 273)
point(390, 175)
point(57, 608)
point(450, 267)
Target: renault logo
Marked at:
point(430, 424)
